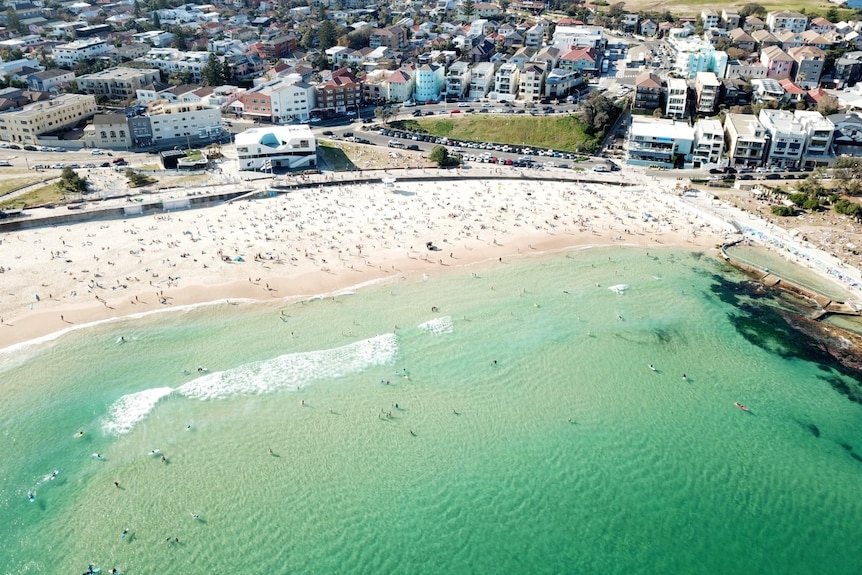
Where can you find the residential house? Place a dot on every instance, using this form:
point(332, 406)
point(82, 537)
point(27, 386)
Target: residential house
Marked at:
point(173, 61)
point(742, 39)
point(676, 105)
point(764, 39)
point(819, 134)
point(822, 41)
point(629, 22)
point(52, 80)
point(767, 90)
point(848, 69)
point(707, 89)
point(481, 80)
point(786, 20)
point(821, 25)
point(808, 67)
point(709, 17)
point(583, 60)
point(793, 92)
point(507, 81)
point(659, 142)
point(399, 86)
point(730, 18)
point(708, 143)
point(430, 80)
point(786, 137)
point(535, 36)
point(457, 81)
point(788, 39)
point(752, 23)
point(745, 70)
point(847, 137)
point(532, 81)
point(746, 140)
point(778, 63)
point(647, 92)
point(487, 10)
point(560, 83)
point(648, 27)
point(110, 131)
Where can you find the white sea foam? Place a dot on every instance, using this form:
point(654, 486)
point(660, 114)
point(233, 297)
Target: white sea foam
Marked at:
point(438, 325)
point(293, 370)
point(132, 408)
point(619, 288)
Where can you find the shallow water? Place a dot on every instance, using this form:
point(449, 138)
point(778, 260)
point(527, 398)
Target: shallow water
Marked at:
point(529, 433)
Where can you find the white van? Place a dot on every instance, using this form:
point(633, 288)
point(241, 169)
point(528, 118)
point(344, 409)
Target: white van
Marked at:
point(601, 168)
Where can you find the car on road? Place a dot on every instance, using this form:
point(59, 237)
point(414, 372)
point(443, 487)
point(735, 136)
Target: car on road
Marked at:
point(97, 153)
point(455, 111)
point(37, 167)
point(90, 165)
point(413, 147)
point(601, 168)
point(417, 113)
point(57, 166)
point(5, 163)
point(31, 148)
point(119, 161)
point(104, 165)
point(315, 119)
point(327, 132)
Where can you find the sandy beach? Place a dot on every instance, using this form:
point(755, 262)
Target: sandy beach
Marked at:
point(317, 241)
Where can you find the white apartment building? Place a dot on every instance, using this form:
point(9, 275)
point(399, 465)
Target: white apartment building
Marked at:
point(183, 120)
point(677, 98)
point(786, 20)
point(707, 89)
point(481, 80)
point(710, 18)
point(285, 147)
point(507, 81)
point(746, 140)
point(568, 37)
point(708, 143)
point(458, 80)
point(665, 143)
point(67, 55)
point(786, 137)
point(171, 60)
point(819, 132)
point(292, 99)
point(27, 124)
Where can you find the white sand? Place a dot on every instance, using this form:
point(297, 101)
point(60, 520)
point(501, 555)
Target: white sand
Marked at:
point(315, 241)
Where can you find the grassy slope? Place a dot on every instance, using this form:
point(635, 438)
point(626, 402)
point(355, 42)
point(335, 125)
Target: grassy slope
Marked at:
point(43, 195)
point(693, 7)
point(558, 132)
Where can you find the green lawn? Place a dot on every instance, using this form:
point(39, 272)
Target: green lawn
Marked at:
point(43, 195)
point(14, 183)
point(557, 132)
point(335, 158)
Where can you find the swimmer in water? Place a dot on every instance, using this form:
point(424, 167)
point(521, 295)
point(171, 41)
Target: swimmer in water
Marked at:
point(124, 533)
point(652, 367)
point(98, 456)
point(154, 451)
point(189, 427)
point(31, 496)
point(684, 376)
point(80, 433)
point(54, 474)
point(196, 516)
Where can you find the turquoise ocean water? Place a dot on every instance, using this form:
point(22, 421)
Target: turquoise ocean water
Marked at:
point(530, 435)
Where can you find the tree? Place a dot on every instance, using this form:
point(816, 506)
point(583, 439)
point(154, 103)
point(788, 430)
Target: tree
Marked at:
point(828, 105)
point(327, 35)
point(157, 22)
point(440, 156)
point(12, 21)
point(832, 15)
point(71, 182)
point(752, 9)
point(657, 113)
point(213, 73)
point(468, 8)
point(385, 113)
point(504, 5)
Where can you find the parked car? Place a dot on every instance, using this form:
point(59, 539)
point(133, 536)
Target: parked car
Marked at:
point(58, 166)
point(118, 161)
point(5, 163)
point(601, 168)
point(413, 147)
point(97, 153)
point(31, 148)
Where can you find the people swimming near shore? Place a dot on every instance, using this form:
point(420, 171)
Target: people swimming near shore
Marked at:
point(652, 367)
point(195, 516)
point(31, 495)
point(80, 433)
point(124, 533)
